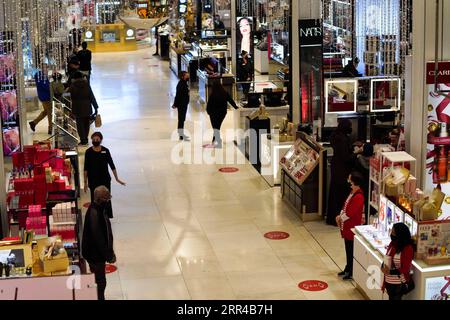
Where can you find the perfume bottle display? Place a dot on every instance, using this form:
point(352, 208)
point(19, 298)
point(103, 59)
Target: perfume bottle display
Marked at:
point(440, 138)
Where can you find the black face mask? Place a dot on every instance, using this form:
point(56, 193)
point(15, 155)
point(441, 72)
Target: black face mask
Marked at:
point(394, 237)
point(96, 143)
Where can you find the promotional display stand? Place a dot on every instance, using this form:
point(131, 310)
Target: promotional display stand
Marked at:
point(402, 203)
point(302, 178)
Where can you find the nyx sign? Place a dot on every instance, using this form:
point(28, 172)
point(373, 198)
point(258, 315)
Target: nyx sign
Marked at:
point(310, 32)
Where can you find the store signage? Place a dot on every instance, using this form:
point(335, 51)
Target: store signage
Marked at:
point(313, 285)
point(443, 72)
point(310, 32)
point(228, 170)
point(109, 268)
point(277, 235)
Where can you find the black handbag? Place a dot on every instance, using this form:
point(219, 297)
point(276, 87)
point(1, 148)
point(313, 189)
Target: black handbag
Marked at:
point(408, 286)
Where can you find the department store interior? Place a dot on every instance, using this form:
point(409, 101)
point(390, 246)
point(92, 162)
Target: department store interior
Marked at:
point(325, 177)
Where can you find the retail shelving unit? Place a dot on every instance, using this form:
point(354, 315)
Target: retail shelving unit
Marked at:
point(73, 248)
point(377, 173)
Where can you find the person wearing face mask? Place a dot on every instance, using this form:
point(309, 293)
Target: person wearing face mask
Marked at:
point(341, 166)
point(96, 162)
point(351, 216)
point(398, 261)
point(97, 244)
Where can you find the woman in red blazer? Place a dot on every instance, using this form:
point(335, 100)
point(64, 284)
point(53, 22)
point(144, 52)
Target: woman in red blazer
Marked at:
point(351, 216)
point(400, 254)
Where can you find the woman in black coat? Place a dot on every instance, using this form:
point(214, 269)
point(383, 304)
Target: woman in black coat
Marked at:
point(341, 166)
point(97, 245)
point(83, 100)
point(181, 103)
point(217, 108)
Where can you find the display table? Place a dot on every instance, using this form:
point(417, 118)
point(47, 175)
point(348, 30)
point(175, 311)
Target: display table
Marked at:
point(430, 281)
point(262, 61)
point(67, 287)
point(272, 151)
point(276, 115)
point(205, 83)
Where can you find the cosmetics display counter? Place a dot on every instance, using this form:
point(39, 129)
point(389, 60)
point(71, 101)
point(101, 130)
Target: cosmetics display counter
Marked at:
point(396, 199)
point(431, 282)
point(45, 229)
point(276, 115)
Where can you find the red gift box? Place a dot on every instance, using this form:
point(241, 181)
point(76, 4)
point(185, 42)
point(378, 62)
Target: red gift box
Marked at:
point(42, 156)
point(23, 184)
point(18, 159)
point(57, 164)
point(51, 187)
point(29, 153)
point(59, 185)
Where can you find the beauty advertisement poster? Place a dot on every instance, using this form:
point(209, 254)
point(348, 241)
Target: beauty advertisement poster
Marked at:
point(438, 147)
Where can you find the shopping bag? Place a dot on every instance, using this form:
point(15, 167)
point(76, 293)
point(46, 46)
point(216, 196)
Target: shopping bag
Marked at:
point(98, 121)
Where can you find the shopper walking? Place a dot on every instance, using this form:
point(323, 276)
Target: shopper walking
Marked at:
point(82, 101)
point(341, 165)
point(96, 162)
point(217, 109)
point(350, 217)
point(398, 261)
point(85, 57)
point(181, 103)
point(45, 97)
point(97, 242)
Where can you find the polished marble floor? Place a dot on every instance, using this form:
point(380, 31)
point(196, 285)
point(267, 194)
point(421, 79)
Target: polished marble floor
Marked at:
point(188, 231)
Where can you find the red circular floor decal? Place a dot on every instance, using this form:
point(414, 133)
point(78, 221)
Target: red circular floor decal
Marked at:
point(110, 268)
point(87, 204)
point(313, 285)
point(277, 235)
point(229, 170)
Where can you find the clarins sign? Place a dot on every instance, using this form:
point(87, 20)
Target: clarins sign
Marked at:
point(310, 32)
point(443, 72)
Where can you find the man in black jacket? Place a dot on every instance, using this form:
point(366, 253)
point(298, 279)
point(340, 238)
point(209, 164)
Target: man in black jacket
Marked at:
point(85, 57)
point(181, 103)
point(350, 70)
point(97, 244)
point(83, 100)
